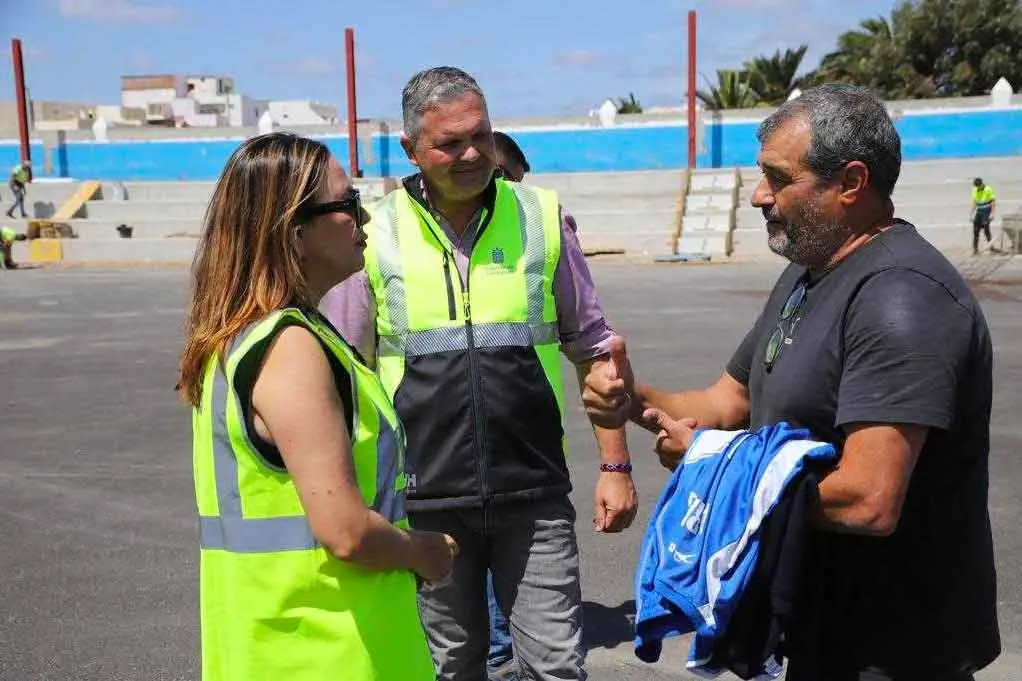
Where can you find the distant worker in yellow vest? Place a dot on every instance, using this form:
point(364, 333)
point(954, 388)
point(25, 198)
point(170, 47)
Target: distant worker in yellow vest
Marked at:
point(983, 202)
point(18, 181)
point(7, 238)
point(307, 566)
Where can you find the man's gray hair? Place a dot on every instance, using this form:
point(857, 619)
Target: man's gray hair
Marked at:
point(428, 88)
point(846, 123)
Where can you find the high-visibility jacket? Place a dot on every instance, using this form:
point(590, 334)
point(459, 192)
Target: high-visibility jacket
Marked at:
point(274, 604)
point(473, 366)
point(983, 197)
point(19, 174)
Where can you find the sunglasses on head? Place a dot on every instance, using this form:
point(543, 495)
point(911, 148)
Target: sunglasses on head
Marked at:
point(780, 336)
point(350, 204)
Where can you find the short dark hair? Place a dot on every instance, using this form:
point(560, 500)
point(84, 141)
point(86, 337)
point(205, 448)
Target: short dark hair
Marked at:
point(978, 182)
point(509, 147)
point(846, 123)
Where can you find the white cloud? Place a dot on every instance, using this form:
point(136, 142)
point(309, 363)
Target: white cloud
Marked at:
point(124, 11)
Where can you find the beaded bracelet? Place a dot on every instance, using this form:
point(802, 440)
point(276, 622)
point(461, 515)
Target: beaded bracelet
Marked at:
point(616, 467)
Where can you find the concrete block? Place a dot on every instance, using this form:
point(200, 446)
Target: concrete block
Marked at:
point(703, 242)
point(697, 203)
point(721, 182)
point(46, 250)
point(719, 222)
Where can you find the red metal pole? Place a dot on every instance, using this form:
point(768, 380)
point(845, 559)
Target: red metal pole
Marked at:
point(349, 49)
point(691, 89)
point(22, 102)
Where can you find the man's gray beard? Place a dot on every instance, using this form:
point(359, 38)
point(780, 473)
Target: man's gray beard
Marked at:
point(811, 241)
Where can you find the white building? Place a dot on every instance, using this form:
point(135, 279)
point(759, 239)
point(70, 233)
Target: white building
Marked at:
point(192, 101)
point(297, 112)
point(153, 95)
point(215, 99)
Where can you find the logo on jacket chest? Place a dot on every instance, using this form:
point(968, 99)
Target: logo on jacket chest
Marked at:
point(497, 262)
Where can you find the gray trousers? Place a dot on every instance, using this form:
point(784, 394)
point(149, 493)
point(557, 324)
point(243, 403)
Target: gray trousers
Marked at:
point(533, 553)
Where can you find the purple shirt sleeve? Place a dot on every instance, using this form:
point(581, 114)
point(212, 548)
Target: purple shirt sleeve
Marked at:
point(582, 327)
point(350, 307)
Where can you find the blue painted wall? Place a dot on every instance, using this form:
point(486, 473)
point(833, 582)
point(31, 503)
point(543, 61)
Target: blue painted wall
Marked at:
point(651, 147)
point(10, 155)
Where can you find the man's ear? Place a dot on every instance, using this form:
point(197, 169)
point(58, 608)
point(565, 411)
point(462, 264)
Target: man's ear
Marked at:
point(409, 147)
point(854, 180)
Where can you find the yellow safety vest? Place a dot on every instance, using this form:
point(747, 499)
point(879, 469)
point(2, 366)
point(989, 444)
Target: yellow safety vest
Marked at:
point(983, 197)
point(19, 174)
point(473, 366)
point(274, 604)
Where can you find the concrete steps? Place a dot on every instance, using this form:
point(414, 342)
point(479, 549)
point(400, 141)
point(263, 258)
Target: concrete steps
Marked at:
point(570, 185)
point(709, 214)
point(634, 211)
point(139, 212)
point(159, 250)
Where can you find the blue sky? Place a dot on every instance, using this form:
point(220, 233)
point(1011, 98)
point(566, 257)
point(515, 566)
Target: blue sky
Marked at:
point(532, 57)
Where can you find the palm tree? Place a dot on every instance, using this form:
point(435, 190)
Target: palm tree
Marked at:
point(873, 56)
point(773, 78)
point(629, 106)
point(732, 91)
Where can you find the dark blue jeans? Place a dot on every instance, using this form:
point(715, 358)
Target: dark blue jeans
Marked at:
point(500, 638)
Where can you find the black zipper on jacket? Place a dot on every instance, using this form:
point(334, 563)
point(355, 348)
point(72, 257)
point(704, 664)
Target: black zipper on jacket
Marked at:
point(452, 312)
point(473, 368)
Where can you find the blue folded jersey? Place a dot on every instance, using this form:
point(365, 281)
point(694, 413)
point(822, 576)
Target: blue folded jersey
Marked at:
point(702, 541)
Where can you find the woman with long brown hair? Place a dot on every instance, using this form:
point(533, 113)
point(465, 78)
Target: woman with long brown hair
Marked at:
point(307, 565)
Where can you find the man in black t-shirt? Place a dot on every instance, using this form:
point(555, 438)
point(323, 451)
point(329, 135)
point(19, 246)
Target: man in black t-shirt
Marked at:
point(872, 341)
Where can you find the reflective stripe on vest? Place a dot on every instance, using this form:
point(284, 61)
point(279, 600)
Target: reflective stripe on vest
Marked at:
point(230, 529)
point(498, 334)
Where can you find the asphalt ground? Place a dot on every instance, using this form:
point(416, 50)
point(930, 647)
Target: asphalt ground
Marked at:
point(97, 523)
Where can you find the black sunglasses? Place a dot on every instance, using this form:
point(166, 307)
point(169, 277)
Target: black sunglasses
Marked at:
point(351, 204)
point(780, 337)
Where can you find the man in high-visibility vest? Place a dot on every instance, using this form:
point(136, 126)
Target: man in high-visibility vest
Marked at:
point(473, 286)
point(7, 238)
point(983, 202)
point(20, 175)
